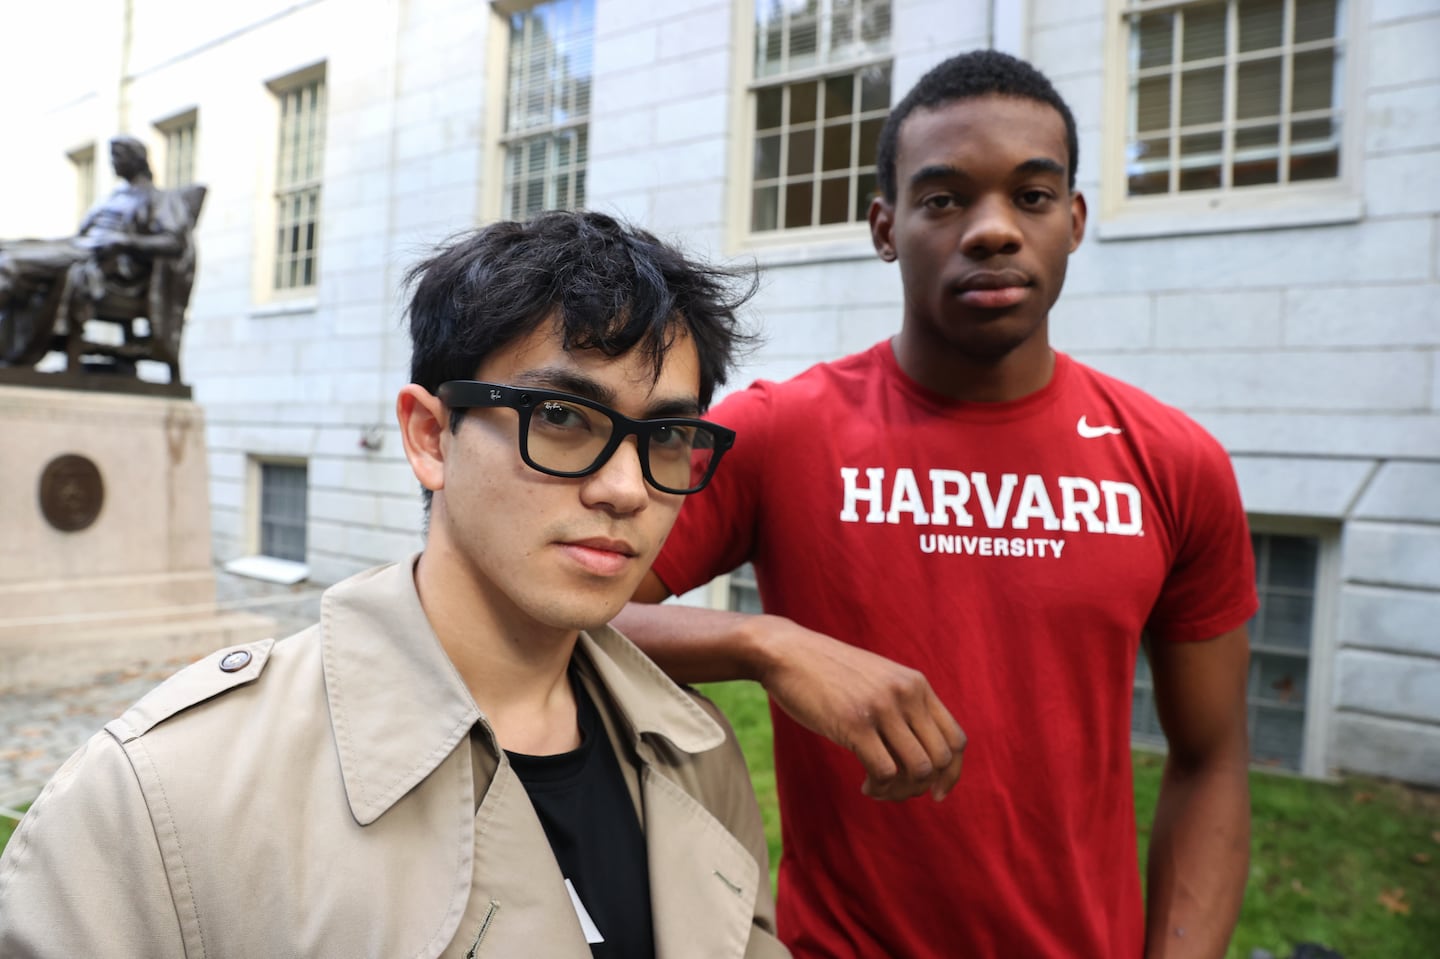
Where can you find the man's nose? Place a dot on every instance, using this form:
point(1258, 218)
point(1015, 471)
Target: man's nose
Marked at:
point(991, 228)
point(619, 484)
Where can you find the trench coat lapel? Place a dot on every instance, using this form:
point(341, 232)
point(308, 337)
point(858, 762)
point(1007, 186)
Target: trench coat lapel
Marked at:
point(518, 903)
point(702, 879)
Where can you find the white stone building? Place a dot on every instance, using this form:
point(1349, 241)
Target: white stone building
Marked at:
point(1263, 250)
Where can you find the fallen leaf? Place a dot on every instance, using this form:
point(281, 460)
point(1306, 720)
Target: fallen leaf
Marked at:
point(1394, 901)
point(1361, 798)
point(1299, 887)
point(1421, 859)
point(1435, 835)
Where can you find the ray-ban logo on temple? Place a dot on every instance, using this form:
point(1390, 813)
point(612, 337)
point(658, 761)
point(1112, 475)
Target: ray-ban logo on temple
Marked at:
point(565, 435)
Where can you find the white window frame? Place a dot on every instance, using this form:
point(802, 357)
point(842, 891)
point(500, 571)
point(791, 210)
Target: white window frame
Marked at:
point(180, 133)
point(508, 140)
point(282, 189)
point(1303, 203)
point(1318, 705)
point(740, 235)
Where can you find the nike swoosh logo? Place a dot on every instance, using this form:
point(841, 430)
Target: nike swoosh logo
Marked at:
point(1091, 432)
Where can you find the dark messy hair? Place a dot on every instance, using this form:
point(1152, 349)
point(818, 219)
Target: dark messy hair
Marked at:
point(962, 77)
point(611, 286)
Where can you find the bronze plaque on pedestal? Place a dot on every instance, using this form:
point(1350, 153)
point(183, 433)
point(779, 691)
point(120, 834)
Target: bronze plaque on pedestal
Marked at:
point(71, 492)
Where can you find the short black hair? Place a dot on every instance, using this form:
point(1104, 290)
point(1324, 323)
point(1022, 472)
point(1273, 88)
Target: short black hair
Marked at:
point(611, 286)
point(964, 76)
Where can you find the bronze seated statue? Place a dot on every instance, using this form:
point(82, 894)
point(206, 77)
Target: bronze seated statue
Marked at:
point(132, 260)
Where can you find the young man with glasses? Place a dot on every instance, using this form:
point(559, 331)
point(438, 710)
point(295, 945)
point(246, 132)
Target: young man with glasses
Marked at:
point(460, 759)
point(1005, 523)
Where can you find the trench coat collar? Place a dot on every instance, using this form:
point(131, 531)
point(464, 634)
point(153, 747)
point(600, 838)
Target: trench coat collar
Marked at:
point(398, 706)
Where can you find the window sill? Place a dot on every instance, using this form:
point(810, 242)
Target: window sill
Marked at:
point(781, 250)
point(1231, 214)
point(268, 568)
point(296, 307)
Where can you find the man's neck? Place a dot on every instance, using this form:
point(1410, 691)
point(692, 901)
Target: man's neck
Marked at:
point(941, 369)
point(516, 671)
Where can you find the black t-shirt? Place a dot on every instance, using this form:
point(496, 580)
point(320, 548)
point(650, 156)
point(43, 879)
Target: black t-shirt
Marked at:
point(594, 831)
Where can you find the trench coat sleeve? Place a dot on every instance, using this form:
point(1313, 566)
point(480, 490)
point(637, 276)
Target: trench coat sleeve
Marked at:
point(730, 797)
point(83, 874)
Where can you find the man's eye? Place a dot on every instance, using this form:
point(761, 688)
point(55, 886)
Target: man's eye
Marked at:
point(940, 201)
point(1034, 198)
point(673, 438)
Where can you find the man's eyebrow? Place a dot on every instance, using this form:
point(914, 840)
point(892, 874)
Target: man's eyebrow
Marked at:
point(578, 384)
point(566, 381)
point(947, 171)
point(1041, 165)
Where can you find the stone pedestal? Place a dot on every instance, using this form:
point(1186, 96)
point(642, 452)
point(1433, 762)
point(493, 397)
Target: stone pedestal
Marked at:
point(104, 535)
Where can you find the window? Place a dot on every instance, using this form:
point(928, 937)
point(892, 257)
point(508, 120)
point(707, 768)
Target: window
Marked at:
point(179, 133)
point(1226, 95)
point(820, 94)
point(547, 107)
point(282, 511)
point(297, 181)
point(744, 592)
point(83, 160)
point(1286, 572)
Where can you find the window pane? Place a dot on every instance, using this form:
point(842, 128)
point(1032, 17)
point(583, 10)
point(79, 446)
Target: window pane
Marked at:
point(1153, 104)
point(767, 158)
point(875, 88)
point(1201, 178)
point(767, 108)
point(1202, 96)
point(1277, 736)
point(866, 189)
point(1257, 156)
point(836, 148)
point(835, 200)
point(801, 159)
point(839, 96)
point(869, 141)
point(1258, 93)
point(1315, 20)
point(1262, 24)
point(802, 103)
point(1155, 37)
point(1292, 561)
point(766, 207)
point(1314, 80)
point(797, 205)
point(1288, 619)
point(1204, 28)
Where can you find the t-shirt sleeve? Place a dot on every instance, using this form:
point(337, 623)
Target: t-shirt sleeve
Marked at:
point(1211, 586)
point(716, 529)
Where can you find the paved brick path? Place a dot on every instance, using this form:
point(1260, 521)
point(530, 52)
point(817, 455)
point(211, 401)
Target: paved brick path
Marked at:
point(39, 728)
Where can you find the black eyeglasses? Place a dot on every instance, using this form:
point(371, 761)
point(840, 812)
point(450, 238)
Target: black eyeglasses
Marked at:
point(566, 435)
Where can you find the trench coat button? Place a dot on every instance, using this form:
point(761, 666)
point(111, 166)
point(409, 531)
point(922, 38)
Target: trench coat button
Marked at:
point(235, 661)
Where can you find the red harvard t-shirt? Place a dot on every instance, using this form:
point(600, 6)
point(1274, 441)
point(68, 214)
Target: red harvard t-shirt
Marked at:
point(1012, 552)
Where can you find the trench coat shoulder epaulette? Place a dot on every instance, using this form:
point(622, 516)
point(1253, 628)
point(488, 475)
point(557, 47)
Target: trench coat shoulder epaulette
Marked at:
point(221, 671)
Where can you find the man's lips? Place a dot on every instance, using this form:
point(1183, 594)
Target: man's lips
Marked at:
point(993, 289)
point(598, 555)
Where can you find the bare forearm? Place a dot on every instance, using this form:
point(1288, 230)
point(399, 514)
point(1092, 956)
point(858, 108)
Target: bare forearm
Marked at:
point(694, 645)
point(1199, 859)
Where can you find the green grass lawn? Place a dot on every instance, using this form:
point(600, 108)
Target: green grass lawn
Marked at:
point(1353, 865)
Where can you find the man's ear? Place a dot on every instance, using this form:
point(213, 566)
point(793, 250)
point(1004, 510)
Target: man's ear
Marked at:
point(1077, 220)
point(882, 223)
point(424, 421)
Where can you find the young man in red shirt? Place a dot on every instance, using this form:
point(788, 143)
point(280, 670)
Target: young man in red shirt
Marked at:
point(962, 524)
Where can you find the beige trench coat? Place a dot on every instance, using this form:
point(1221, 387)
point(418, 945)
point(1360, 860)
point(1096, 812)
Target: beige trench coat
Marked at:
point(322, 801)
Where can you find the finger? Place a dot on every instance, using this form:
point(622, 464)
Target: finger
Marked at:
point(880, 768)
point(909, 750)
point(897, 789)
